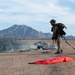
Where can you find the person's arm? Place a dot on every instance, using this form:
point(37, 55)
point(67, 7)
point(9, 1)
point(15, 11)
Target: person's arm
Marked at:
point(54, 31)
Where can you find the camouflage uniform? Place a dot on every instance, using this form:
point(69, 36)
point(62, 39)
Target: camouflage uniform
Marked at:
point(57, 37)
point(58, 32)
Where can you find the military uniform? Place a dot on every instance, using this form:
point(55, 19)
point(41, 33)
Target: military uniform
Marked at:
point(57, 36)
point(58, 32)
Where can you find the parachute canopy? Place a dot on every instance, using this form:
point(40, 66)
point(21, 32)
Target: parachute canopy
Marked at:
point(14, 45)
point(54, 60)
point(44, 46)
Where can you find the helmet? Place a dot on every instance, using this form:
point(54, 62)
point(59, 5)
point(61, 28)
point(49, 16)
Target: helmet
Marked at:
point(52, 20)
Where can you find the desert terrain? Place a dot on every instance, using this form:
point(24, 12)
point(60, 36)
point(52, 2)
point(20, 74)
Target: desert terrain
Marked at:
point(18, 63)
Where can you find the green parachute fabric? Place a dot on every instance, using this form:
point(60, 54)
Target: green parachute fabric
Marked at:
point(54, 60)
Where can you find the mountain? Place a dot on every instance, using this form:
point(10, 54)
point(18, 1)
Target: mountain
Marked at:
point(70, 37)
point(26, 32)
point(23, 31)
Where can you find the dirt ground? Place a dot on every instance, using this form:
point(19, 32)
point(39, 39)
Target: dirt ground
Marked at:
point(18, 63)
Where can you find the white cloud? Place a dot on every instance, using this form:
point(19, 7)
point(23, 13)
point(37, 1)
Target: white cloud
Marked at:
point(25, 11)
point(49, 8)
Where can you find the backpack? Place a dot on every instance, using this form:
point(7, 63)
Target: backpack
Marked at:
point(61, 26)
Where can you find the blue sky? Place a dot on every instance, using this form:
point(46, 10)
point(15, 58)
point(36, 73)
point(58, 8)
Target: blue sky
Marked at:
point(38, 13)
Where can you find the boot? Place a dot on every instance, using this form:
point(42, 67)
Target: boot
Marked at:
point(61, 50)
point(57, 52)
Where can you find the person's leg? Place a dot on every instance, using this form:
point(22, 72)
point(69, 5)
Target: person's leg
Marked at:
point(59, 44)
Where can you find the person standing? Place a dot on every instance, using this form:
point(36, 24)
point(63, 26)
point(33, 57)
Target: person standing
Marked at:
point(58, 32)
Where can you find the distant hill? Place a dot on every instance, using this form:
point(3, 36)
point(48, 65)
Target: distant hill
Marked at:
point(70, 37)
point(26, 32)
point(23, 31)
